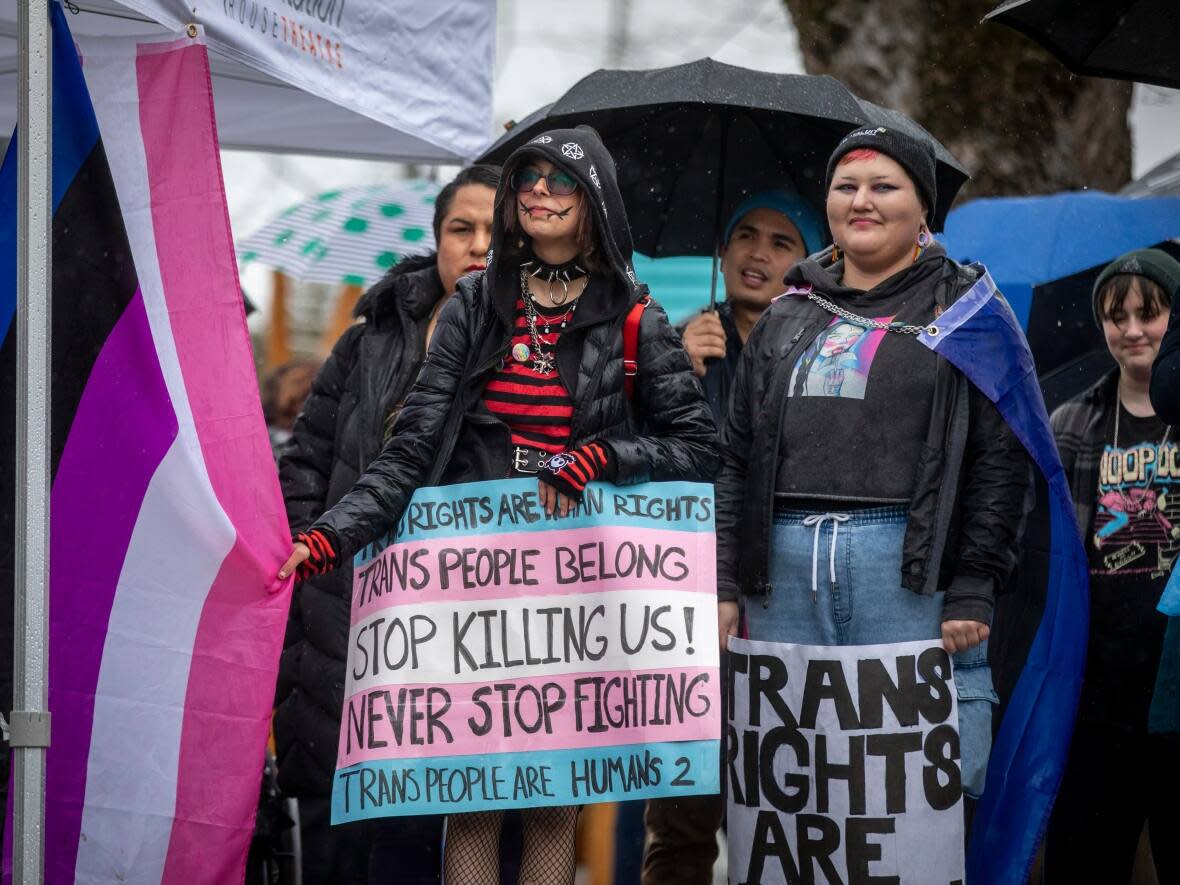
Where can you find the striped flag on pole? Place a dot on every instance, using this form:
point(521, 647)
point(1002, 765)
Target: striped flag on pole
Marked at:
point(167, 524)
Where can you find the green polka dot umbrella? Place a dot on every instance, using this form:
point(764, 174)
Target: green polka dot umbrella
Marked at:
point(353, 235)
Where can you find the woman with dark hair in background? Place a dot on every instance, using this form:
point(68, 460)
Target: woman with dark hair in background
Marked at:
point(353, 402)
point(525, 377)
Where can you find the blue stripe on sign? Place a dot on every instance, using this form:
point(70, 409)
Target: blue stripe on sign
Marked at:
point(75, 133)
point(496, 781)
point(499, 506)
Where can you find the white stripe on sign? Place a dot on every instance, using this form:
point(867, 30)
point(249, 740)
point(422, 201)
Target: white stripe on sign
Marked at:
point(531, 636)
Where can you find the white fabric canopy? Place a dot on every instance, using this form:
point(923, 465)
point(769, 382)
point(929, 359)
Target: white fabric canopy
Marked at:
point(400, 80)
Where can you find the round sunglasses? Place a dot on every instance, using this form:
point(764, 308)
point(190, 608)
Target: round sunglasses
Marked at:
point(558, 183)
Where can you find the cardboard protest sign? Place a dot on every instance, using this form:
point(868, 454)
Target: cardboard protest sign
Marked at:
point(843, 764)
point(500, 658)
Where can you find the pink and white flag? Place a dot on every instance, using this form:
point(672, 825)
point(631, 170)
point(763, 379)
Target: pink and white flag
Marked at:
point(167, 518)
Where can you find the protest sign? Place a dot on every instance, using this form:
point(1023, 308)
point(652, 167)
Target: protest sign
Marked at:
point(501, 658)
point(843, 764)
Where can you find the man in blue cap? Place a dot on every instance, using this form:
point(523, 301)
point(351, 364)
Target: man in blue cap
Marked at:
point(767, 233)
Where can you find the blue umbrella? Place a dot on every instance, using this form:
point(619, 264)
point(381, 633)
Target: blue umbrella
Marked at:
point(1030, 241)
point(1044, 254)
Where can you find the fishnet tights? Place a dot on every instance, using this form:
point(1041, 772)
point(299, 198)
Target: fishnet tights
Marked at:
point(473, 847)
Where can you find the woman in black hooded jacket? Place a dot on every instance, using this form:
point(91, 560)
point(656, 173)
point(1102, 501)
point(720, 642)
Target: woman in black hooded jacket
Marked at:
point(339, 431)
point(525, 376)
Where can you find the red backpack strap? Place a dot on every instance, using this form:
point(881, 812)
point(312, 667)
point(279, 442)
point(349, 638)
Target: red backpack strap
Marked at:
point(631, 344)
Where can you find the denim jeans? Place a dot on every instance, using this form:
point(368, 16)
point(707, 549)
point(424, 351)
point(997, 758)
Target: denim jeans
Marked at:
point(836, 580)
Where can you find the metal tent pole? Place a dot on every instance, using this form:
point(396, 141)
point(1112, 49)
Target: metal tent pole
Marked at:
point(30, 719)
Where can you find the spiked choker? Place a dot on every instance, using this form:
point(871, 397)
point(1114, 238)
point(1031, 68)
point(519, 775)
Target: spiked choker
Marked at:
point(554, 273)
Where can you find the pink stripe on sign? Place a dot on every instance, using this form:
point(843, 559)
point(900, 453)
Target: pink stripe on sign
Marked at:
point(553, 563)
point(236, 647)
point(538, 713)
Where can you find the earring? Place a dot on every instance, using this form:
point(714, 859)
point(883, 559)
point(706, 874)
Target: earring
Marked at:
point(835, 253)
point(925, 238)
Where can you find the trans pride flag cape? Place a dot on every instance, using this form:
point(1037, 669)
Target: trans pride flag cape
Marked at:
point(167, 522)
point(981, 337)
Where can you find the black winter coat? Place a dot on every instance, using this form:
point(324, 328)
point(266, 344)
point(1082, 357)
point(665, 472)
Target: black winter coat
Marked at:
point(339, 432)
point(971, 487)
point(445, 434)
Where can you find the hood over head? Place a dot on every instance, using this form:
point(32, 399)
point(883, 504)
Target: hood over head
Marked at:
point(581, 153)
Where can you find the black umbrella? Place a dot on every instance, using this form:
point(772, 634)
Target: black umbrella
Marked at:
point(1123, 39)
point(692, 141)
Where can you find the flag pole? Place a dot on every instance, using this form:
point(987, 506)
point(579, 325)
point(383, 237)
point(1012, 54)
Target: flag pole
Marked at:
point(30, 718)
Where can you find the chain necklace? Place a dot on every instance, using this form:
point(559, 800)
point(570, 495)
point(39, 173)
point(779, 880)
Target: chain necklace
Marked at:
point(866, 322)
point(542, 361)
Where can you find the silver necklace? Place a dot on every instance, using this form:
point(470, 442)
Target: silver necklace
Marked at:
point(555, 273)
point(866, 322)
point(542, 360)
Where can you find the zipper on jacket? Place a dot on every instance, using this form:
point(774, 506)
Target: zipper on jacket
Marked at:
point(789, 358)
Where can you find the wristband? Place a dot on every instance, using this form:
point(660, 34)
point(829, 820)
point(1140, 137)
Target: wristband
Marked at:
point(324, 556)
point(570, 472)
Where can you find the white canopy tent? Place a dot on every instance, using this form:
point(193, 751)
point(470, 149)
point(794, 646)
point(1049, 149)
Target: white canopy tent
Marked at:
point(395, 80)
point(387, 79)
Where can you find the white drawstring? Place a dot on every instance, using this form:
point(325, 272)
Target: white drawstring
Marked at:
point(817, 520)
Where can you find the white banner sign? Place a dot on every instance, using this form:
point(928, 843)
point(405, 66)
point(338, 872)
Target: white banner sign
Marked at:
point(423, 68)
point(844, 764)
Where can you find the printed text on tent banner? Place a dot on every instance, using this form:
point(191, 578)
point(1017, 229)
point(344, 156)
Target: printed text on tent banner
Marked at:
point(844, 764)
point(499, 658)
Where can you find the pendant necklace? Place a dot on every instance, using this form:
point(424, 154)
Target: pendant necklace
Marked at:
point(541, 359)
point(554, 273)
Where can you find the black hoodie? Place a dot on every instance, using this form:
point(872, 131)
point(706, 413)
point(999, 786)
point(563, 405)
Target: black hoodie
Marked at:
point(859, 400)
point(972, 475)
point(337, 434)
point(445, 434)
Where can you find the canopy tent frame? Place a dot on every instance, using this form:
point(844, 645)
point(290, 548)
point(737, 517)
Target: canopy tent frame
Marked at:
point(29, 735)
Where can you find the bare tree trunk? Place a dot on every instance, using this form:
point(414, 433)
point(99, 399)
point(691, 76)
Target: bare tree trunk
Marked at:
point(1013, 114)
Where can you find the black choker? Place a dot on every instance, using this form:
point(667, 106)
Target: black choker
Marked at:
point(553, 273)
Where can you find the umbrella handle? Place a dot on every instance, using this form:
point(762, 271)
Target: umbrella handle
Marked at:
point(713, 285)
point(718, 206)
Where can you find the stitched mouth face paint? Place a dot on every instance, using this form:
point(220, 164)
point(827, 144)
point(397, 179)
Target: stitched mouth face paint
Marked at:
point(551, 213)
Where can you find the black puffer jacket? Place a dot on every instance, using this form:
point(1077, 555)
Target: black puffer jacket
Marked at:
point(339, 432)
point(972, 484)
point(446, 435)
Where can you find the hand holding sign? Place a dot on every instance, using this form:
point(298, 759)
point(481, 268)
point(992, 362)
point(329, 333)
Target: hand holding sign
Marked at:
point(728, 616)
point(962, 635)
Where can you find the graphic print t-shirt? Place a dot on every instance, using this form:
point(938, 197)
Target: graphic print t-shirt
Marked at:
point(858, 405)
point(1132, 542)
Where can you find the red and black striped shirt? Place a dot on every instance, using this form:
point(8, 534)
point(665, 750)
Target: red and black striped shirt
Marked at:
point(537, 408)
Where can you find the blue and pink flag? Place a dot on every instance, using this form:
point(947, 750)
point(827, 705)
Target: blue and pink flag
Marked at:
point(500, 658)
point(980, 335)
point(167, 523)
